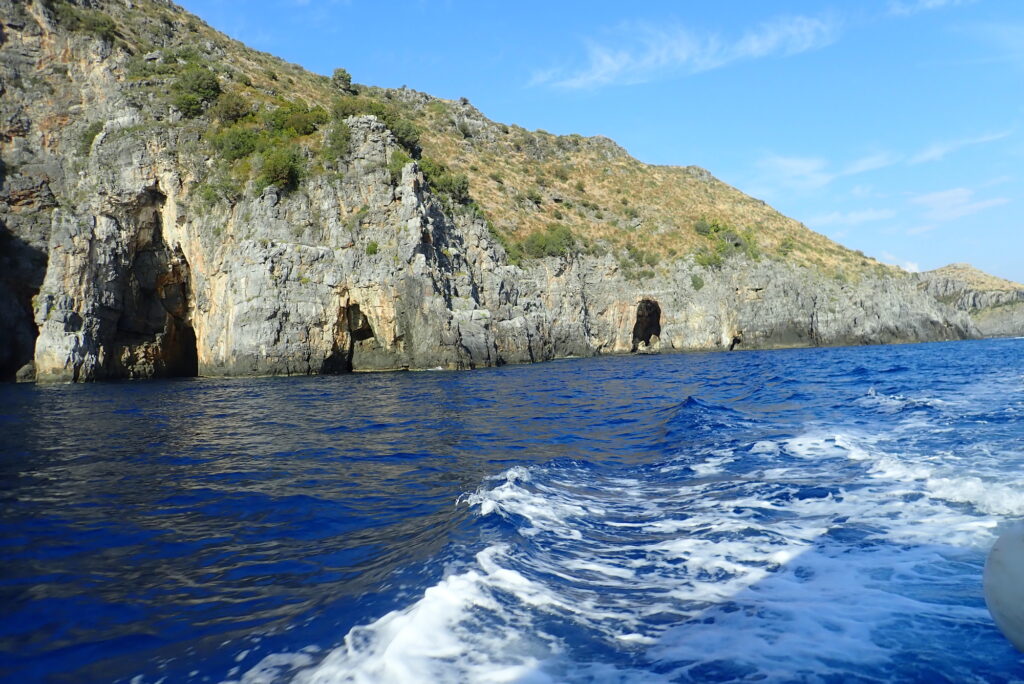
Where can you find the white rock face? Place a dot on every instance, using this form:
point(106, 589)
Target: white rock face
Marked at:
point(1004, 585)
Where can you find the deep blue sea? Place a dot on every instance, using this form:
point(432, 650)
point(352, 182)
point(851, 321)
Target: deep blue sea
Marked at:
point(802, 515)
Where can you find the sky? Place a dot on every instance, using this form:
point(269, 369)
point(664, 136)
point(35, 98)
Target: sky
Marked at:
point(895, 127)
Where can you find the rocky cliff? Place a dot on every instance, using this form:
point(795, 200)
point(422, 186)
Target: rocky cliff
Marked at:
point(173, 203)
point(995, 305)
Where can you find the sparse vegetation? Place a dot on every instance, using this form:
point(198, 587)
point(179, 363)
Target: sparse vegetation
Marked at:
point(83, 20)
point(405, 131)
point(271, 116)
point(281, 167)
point(338, 140)
point(397, 162)
point(194, 89)
point(88, 136)
point(453, 187)
point(295, 119)
point(342, 80)
point(230, 107)
point(555, 240)
point(235, 143)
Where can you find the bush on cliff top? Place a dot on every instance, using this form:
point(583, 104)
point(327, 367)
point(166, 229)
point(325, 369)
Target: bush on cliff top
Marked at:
point(407, 133)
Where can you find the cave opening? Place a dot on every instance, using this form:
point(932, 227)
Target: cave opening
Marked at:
point(155, 336)
point(352, 326)
point(648, 323)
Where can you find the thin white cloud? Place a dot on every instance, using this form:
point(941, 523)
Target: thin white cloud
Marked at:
point(641, 51)
point(939, 150)
point(796, 173)
point(812, 173)
point(948, 205)
point(871, 162)
point(890, 258)
point(851, 218)
point(919, 230)
point(908, 7)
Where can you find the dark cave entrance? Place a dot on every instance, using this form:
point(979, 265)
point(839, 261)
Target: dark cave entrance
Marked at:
point(155, 337)
point(352, 326)
point(648, 323)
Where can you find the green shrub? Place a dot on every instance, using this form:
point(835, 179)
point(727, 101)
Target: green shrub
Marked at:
point(397, 162)
point(405, 131)
point(281, 167)
point(294, 119)
point(696, 281)
point(235, 143)
point(372, 248)
point(194, 88)
point(219, 189)
point(452, 187)
point(230, 107)
point(342, 79)
point(555, 240)
point(708, 259)
point(533, 195)
point(338, 140)
point(88, 136)
point(84, 20)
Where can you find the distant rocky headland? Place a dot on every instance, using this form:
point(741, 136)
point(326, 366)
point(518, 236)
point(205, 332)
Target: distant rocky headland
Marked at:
point(173, 203)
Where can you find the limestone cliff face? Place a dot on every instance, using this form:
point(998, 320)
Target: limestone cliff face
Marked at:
point(995, 305)
point(113, 266)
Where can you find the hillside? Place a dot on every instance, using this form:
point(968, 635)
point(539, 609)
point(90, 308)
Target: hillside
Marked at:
point(177, 203)
point(995, 305)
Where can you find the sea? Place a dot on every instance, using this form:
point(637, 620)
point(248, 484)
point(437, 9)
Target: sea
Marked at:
point(807, 515)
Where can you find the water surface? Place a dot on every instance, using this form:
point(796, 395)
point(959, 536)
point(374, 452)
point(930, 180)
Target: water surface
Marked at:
point(818, 514)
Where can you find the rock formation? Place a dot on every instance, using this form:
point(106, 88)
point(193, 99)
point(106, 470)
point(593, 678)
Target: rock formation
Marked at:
point(995, 305)
point(125, 253)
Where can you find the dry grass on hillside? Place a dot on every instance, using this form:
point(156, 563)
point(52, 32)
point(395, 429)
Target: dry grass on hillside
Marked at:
point(526, 182)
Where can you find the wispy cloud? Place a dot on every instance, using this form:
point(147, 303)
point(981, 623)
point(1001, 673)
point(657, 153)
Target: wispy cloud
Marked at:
point(850, 218)
point(891, 258)
point(812, 173)
point(938, 150)
point(948, 205)
point(640, 52)
point(908, 7)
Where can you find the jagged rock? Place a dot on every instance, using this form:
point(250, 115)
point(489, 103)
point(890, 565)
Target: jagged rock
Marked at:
point(995, 305)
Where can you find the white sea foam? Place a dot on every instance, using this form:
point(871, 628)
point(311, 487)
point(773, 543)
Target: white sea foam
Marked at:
point(829, 555)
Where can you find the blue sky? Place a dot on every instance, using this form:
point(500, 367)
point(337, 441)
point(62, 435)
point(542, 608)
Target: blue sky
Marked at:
point(893, 126)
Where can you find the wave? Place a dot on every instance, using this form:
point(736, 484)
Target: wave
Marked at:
point(780, 558)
